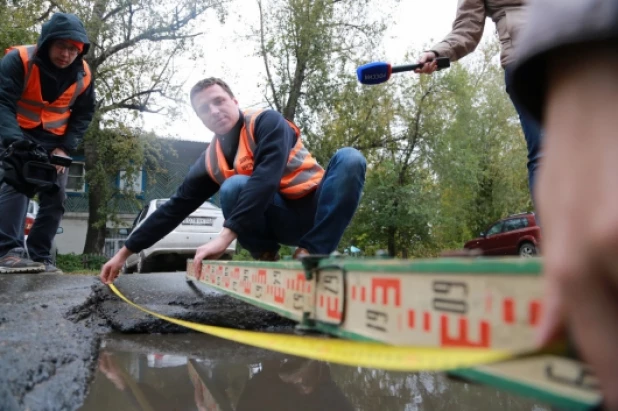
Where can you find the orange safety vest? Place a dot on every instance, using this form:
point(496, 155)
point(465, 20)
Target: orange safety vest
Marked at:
point(302, 173)
point(32, 110)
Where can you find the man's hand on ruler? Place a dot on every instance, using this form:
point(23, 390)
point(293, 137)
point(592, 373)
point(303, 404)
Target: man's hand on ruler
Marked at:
point(213, 249)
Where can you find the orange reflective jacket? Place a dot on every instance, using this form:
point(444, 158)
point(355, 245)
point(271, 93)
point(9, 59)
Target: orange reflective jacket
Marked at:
point(300, 177)
point(32, 110)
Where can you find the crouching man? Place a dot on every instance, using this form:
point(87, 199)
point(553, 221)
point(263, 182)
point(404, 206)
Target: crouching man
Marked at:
point(272, 190)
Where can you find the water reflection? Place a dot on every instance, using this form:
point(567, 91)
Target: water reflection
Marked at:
point(203, 373)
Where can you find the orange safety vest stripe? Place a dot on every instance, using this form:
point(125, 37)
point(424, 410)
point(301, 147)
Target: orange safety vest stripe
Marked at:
point(302, 173)
point(32, 110)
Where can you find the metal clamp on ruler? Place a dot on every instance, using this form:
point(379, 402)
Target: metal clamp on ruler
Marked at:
point(471, 317)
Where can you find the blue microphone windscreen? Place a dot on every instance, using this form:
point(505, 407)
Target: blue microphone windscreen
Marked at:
point(374, 73)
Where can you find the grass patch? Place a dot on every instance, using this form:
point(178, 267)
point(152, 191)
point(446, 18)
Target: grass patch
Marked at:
point(80, 263)
point(243, 255)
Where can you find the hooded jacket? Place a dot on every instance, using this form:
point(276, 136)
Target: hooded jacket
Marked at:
point(54, 81)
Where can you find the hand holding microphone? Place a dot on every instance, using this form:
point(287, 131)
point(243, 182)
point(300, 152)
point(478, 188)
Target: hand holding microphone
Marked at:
point(380, 72)
point(430, 64)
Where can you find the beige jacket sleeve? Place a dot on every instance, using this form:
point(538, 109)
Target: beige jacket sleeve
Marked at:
point(466, 33)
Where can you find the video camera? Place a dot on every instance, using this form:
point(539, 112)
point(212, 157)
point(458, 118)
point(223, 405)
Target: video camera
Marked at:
point(28, 168)
point(44, 173)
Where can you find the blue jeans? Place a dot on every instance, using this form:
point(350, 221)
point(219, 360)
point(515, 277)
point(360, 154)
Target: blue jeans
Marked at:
point(13, 209)
point(315, 222)
point(532, 134)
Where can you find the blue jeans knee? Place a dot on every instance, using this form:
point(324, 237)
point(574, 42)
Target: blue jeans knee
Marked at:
point(229, 192)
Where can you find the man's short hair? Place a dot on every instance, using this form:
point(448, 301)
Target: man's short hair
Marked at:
point(207, 82)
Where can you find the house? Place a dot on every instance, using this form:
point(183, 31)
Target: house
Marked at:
point(75, 220)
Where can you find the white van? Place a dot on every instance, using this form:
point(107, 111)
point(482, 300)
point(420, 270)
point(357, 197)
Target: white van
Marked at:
point(200, 227)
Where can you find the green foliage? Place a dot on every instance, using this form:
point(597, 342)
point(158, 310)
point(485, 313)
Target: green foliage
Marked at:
point(480, 158)
point(307, 44)
point(123, 152)
point(446, 155)
point(19, 22)
point(137, 46)
point(79, 263)
point(243, 255)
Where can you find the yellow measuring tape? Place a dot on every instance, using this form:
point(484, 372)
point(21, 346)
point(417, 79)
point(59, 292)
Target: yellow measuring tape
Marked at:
point(346, 352)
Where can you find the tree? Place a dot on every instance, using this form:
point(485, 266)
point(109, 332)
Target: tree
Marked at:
point(444, 152)
point(479, 159)
point(399, 199)
point(19, 21)
point(135, 46)
point(446, 157)
point(306, 45)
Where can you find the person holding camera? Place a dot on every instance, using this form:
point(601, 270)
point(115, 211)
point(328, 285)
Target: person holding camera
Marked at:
point(47, 101)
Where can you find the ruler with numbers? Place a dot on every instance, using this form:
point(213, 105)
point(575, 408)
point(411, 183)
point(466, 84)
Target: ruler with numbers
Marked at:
point(484, 303)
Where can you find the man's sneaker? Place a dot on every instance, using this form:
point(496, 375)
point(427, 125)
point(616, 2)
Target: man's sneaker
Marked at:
point(268, 256)
point(15, 262)
point(51, 269)
point(299, 253)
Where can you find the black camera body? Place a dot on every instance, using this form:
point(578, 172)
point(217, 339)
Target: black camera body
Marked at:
point(42, 174)
point(28, 168)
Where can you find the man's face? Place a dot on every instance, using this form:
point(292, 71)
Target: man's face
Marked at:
point(217, 109)
point(62, 53)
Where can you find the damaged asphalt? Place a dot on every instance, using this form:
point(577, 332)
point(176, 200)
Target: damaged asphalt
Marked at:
point(51, 327)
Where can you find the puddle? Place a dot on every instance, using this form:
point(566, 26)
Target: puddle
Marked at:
point(199, 372)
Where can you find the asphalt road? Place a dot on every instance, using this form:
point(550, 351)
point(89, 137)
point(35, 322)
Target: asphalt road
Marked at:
point(51, 327)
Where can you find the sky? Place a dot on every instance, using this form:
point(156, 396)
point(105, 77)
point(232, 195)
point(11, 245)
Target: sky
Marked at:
point(417, 24)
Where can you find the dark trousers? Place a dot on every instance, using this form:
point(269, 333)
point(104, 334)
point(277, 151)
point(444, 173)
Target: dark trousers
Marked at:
point(316, 222)
point(13, 209)
point(532, 134)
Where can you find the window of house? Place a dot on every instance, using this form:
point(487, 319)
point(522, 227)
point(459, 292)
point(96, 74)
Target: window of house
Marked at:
point(77, 178)
point(135, 184)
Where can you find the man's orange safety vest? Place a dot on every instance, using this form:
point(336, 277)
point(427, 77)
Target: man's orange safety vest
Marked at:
point(302, 173)
point(32, 110)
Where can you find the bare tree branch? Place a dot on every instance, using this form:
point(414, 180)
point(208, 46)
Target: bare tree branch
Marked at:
point(381, 143)
point(265, 55)
point(357, 137)
point(124, 103)
point(52, 4)
point(115, 11)
point(155, 34)
point(415, 135)
point(163, 70)
point(46, 14)
point(136, 107)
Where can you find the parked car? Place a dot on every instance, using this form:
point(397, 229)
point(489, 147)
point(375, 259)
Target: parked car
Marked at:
point(33, 209)
point(200, 227)
point(516, 234)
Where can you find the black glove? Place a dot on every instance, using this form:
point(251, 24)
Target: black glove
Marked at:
point(25, 166)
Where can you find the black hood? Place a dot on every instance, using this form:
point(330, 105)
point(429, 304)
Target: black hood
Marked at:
point(63, 26)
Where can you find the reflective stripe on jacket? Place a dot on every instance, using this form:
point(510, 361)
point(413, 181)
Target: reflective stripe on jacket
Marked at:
point(302, 173)
point(32, 110)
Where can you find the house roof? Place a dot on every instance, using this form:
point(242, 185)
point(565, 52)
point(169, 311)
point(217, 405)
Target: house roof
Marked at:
point(187, 151)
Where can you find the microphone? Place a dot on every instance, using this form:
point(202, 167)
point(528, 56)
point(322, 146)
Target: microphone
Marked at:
point(380, 72)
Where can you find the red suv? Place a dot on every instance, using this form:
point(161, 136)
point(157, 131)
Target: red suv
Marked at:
point(514, 235)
